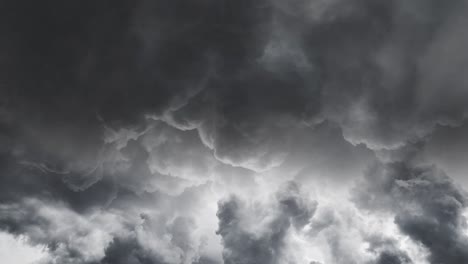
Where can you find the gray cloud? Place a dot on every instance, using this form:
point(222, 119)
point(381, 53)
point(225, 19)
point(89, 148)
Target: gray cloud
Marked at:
point(122, 251)
point(159, 109)
point(392, 258)
point(244, 242)
point(427, 205)
point(244, 80)
point(387, 251)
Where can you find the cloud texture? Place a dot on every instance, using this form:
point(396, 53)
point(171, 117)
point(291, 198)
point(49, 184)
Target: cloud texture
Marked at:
point(237, 132)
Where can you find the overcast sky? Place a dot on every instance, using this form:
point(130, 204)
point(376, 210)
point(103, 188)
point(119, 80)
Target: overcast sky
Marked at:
point(236, 132)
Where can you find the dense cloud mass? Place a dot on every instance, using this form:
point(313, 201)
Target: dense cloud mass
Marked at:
point(237, 132)
point(252, 235)
point(426, 205)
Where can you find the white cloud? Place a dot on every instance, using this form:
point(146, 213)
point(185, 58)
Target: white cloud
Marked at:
point(17, 250)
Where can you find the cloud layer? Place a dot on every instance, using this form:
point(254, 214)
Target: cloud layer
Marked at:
point(237, 132)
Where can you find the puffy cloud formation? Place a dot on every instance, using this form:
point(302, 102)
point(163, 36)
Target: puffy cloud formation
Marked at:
point(211, 131)
point(426, 205)
point(255, 234)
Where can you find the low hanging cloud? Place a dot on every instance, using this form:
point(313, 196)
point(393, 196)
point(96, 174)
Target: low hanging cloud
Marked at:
point(216, 131)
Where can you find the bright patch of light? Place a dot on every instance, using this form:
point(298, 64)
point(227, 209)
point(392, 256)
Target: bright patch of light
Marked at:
point(465, 229)
point(385, 226)
point(17, 250)
point(303, 250)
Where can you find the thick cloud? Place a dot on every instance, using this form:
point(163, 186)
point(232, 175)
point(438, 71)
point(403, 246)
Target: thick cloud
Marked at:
point(388, 251)
point(127, 251)
point(70, 238)
point(123, 123)
point(103, 236)
point(244, 74)
point(392, 258)
point(427, 206)
point(250, 236)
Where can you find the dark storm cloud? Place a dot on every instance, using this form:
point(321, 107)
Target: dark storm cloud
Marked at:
point(387, 251)
point(130, 106)
point(264, 244)
point(393, 258)
point(122, 59)
point(242, 247)
point(427, 205)
point(360, 64)
point(47, 201)
point(122, 251)
point(27, 171)
point(244, 74)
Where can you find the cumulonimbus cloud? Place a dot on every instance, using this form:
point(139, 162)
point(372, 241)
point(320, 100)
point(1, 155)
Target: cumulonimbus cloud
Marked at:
point(125, 126)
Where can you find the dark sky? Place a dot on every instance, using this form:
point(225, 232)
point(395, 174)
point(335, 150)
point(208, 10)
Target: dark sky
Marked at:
point(236, 132)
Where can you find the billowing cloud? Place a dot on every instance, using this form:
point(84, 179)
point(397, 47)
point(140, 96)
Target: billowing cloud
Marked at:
point(426, 205)
point(259, 233)
point(211, 131)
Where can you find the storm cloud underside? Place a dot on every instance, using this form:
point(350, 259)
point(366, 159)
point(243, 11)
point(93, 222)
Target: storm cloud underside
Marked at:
point(237, 132)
